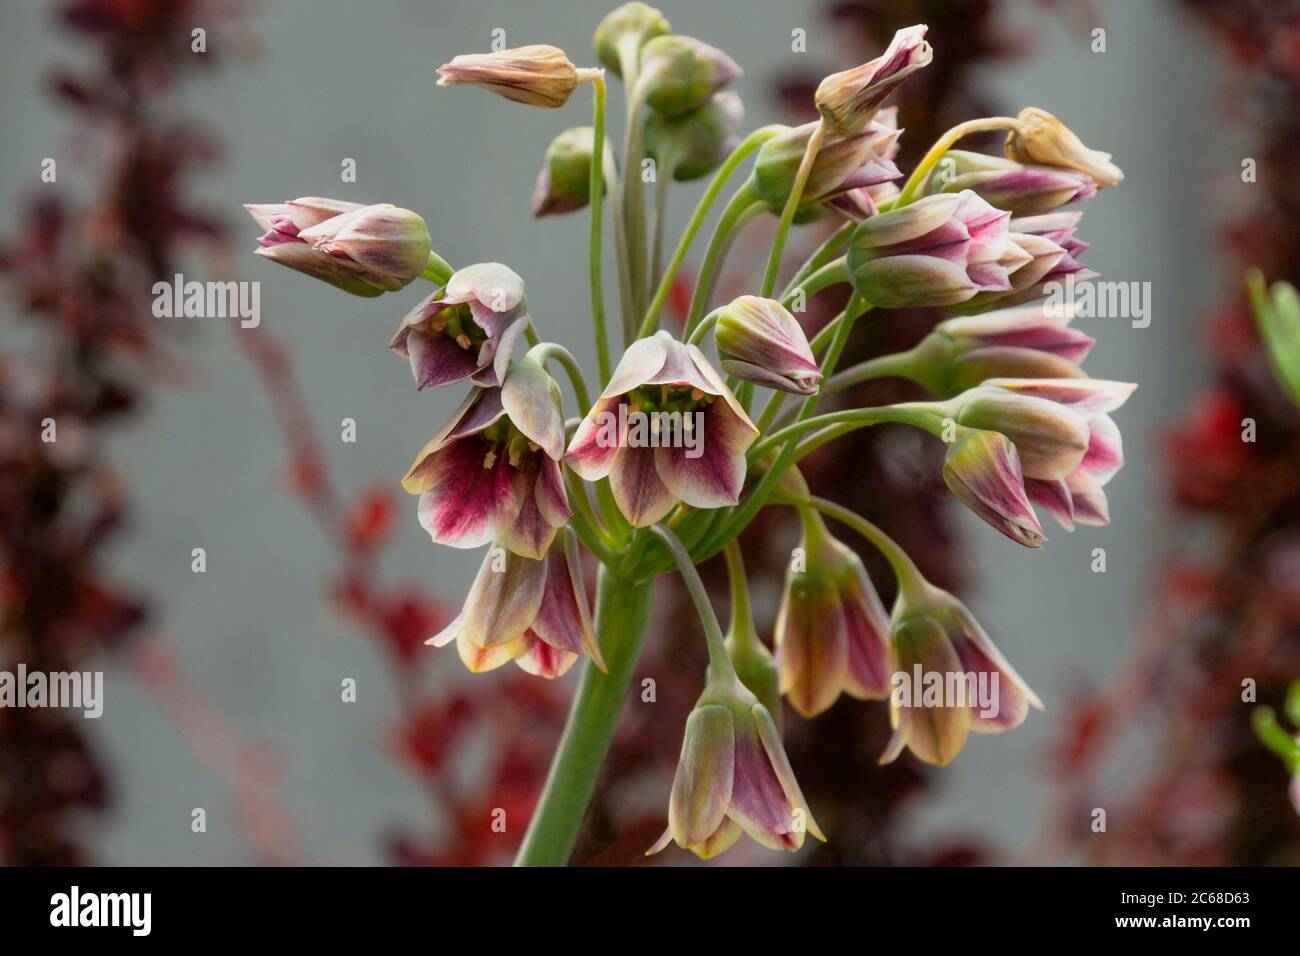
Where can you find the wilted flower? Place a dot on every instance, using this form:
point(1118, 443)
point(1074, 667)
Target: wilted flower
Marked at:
point(950, 678)
point(365, 250)
point(466, 330)
point(666, 428)
point(759, 341)
point(1024, 190)
point(696, 143)
point(733, 776)
point(831, 627)
point(564, 184)
point(982, 469)
point(493, 472)
point(680, 73)
point(844, 163)
point(532, 611)
point(627, 29)
point(939, 250)
point(847, 101)
point(1040, 137)
point(538, 75)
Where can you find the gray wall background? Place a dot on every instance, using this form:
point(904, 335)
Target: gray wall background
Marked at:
point(356, 80)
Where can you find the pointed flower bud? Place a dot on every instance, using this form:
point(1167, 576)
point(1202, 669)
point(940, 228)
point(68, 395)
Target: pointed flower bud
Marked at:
point(665, 429)
point(1024, 190)
point(466, 330)
point(760, 341)
point(532, 611)
point(983, 470)
point(564, 184)
point(831, 628)
point(843, 164)
point(937, 251)
point(631, 25)
point(365, 250)
point(733, 776)
point(1042, 138)
point(538, 75)
point(680, 73)
point(493, 472)
point(950, 678)
point(1043, 262)
point(847, 101)
point(696, 143)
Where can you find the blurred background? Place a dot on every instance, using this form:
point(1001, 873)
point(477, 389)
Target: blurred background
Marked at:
point(223, 687)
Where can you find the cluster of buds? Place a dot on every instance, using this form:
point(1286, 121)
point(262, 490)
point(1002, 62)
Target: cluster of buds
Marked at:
point(666, 467)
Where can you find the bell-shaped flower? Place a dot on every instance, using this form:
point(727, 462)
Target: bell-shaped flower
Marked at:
point(1040, 137)
point(493, 472)
point(1024, 190)
point(625, 30)
point(982, 469)
point(844, 163)
point(680, 73)
point(538, 75)
point(831, 629)
point(848, 100)
point(759, 341)
point(937, 251)
point(694, 144)
point(949, 680)
point(532, 611)
point(465, 330)
point(365, 250)
point(665, 429)
point(564, 184)
point(733, 776)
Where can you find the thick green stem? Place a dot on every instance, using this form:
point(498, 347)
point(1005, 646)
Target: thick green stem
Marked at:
point(622, 611)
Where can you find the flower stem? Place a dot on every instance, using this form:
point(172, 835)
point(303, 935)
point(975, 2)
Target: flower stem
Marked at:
point(910, 579)
point(596, 195)
point(893, 365)
point(945, 143)
point(622, 611)
point(791, 205)
point(823, 254)
point(437, 270)
point(736, 213)
point(720, 666)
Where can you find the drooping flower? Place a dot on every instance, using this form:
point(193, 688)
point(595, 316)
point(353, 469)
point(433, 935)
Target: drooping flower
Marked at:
point(493, 472)
point(665, 429)
point(759, 341)
point(1042, 138)
point(937, 251)
point(982, 469)
point(564, 184)
point(733, 776)
point(532, 611)
point(694, 144)
point(538, 75)
point(680, 73)
point(1024, 190)
point(625, 30)
point(843, 164)
point(949, 680)
point(365, 250)
point(848, 100)
point(465, 330)
point(831, 629)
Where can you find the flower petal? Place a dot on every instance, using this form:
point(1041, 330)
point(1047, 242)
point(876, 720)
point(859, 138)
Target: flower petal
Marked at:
point(702, 788)
point(468, 498)
point(935, 734)
point(504, 599)
point(596, 442)
point(564, 619)
point(811, 642)
point(770, 738)
point(638, 490)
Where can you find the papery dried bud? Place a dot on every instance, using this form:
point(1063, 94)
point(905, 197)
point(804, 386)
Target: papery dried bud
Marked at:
point(759, 341)
point(564, 184)
point(695, 144)
point(1025, 190)
point(538, 75)
point(847, 101)
point(679, 73)
point(983, 470)
point(628, 28)
point(843, 163)
point(1042, 138)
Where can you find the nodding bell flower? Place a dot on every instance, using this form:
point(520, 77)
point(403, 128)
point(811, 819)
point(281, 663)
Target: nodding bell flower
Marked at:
point(759, 341)
point(564, 184)
point(365, 250)
point(831, 629)
point(950, 678)
point(843, 164)
point(983, 470)
point(467, 329)
point(1025, 342)
point(733, 776)
point(1024, 190)
point(847, 101)
point(680, 73)
point(1040, 137)
point(696, 143)
point(665, 429)
point(627, 29)
point(1068, 444)
point(493, 472)
point(538, 75)
point(938, 251)
point(532, 611)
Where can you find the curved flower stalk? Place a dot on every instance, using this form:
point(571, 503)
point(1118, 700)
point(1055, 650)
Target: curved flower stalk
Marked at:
point(666, 468)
